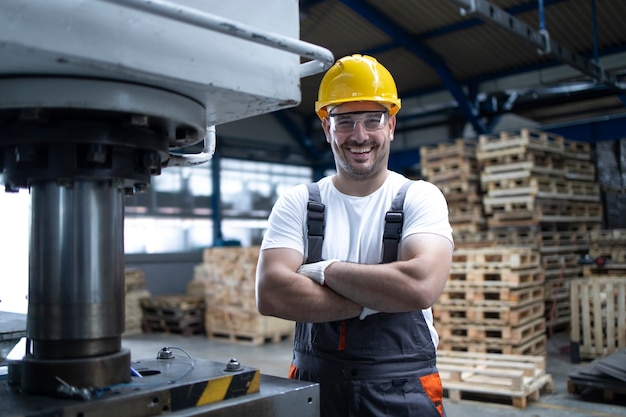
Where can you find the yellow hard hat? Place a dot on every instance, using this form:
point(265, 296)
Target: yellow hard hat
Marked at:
point(357, 78)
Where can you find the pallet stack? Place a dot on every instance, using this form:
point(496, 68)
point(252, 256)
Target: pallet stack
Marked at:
point(227, 279)
point(540, 191)
point(493, 302)
point(454, 169)
point(180, 314)
point(135, 291)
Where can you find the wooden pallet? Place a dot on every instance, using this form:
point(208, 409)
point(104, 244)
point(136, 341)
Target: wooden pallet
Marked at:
point(173, 304)
point(609, 270)
point(493, 334)
point(519, 212)
point(480, 393)
point(536, 346)
point(511, 376)
point(577, 150)
point(496, 258)
point(450, 169)
point(234, 324)
point(598, 306)
point(490, 146)
point(497, 278)
point(488, 315)
point(457, 148)
point(469, 295)
point(536, 162)
point(521, 183)
point(244, 338)
point(186, 326)
point(580, 170)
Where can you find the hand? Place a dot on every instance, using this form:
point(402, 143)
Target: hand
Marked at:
point(315, 271)
point(367, 312)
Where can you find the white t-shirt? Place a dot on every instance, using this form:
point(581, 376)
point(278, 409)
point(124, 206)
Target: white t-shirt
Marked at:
point(354, 225)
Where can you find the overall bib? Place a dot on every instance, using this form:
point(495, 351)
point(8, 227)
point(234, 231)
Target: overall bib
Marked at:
point(383, 365)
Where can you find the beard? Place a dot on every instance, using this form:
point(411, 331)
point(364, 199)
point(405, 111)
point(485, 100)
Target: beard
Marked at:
point(361, 170)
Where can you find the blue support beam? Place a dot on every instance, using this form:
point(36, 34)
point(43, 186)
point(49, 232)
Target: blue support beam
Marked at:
point(216, 197)
point(595, 130)
point(407, 41)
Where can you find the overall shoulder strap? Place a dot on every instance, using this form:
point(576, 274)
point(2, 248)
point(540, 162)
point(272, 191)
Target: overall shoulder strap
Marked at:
point(314, 224)
point(394, 219)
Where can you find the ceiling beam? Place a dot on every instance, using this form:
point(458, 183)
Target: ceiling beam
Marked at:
point(539, 38)
point(407, 41)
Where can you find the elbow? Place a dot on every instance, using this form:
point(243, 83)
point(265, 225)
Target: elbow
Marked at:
point(263, 306)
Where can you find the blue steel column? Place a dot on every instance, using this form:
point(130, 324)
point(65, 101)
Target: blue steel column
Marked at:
point(216, 197)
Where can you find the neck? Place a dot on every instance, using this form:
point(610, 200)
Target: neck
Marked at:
point(359, 187)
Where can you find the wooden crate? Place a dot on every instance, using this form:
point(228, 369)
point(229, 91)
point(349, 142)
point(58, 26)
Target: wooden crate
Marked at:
point(598, 321)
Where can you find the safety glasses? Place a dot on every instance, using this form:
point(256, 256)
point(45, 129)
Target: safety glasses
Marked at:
point(346, 122)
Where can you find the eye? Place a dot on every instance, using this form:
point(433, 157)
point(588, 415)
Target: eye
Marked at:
point(345, 122)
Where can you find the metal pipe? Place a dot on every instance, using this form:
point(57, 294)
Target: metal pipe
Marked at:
point(594, 16)
point(203, 157)
point(542, 16)
point(321, 58)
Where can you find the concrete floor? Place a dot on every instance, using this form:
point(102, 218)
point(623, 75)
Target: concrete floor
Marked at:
point(274, 359)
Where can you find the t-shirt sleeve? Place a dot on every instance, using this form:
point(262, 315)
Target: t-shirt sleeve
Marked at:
point(286, 223)
point(426, 211)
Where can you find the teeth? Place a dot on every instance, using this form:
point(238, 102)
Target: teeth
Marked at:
point(360, 150)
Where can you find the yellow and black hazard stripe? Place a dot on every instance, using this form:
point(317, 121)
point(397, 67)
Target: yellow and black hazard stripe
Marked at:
point(216, 389)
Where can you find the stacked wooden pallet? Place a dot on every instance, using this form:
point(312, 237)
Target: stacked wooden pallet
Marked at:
point(493, 302)
point(500, 378)
point(529, 180)
point(541, 187)
point(181, 314)
point(454, 169)
point(609, 244)
point(227, 279)
point(135, 291)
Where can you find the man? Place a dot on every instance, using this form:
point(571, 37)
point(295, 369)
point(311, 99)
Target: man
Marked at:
point(364, 326)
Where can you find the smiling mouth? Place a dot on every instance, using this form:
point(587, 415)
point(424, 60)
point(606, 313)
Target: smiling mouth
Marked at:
point(360, 150)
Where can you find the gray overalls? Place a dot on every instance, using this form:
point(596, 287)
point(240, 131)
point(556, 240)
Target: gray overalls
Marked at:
point(383, 365)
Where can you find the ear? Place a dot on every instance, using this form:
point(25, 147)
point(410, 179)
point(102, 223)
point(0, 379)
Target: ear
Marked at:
point(392, 127)
point(326, 127)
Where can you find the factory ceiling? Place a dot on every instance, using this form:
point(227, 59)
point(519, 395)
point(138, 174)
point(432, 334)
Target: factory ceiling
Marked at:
point(553, 62)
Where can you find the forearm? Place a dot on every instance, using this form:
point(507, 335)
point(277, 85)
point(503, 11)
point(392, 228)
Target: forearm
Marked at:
point(305, 300)
point(393, 287)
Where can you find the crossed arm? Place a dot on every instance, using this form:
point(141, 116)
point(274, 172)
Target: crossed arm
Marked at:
point(411, 283)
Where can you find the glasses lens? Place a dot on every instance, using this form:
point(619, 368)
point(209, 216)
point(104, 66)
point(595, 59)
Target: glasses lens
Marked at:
point(346, 122)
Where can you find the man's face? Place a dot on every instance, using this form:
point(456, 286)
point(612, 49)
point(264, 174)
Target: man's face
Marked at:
point(359, 134)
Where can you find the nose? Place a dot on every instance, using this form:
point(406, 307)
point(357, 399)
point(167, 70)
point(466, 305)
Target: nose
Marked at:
point(359, 130)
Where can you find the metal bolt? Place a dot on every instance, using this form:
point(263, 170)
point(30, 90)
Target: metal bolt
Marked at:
point(233, 365)
point(165, 353)
point(139, 120)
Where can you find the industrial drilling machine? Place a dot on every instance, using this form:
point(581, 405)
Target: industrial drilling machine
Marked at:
point(97, 96)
